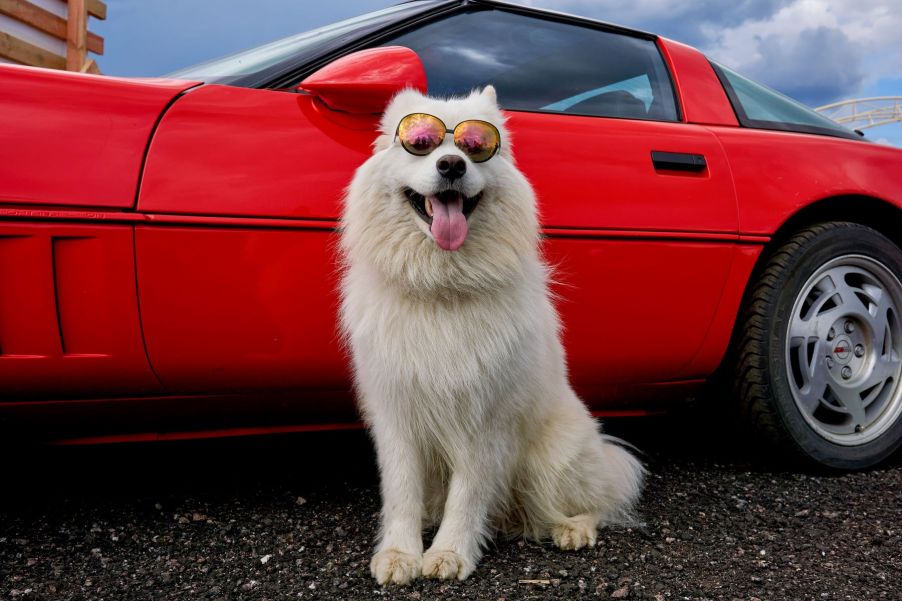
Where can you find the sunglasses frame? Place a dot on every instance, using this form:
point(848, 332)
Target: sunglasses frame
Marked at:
point(450, 131)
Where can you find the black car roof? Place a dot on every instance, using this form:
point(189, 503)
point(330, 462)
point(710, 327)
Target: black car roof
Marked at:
point(546, 12)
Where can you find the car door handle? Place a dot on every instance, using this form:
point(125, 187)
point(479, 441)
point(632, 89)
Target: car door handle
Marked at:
point(678, 161)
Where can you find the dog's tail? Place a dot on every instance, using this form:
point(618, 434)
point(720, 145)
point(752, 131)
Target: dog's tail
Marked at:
point(571, 469)
point(623, 477)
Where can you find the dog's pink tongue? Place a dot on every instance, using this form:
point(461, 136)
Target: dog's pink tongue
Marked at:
point(449, 225)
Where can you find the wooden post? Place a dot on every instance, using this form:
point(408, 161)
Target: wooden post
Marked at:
point(44, 20)
point(28, 54)
point(20, 47)
point(76, 35)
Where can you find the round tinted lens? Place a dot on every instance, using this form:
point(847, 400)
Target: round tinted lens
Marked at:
point(479, 139)
point(421, 133)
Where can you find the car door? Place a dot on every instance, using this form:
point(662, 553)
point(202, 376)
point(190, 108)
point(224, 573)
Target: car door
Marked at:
point(236, 265)
point(637, 205)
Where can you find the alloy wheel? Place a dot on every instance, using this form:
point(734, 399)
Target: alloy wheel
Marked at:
point(843, 350)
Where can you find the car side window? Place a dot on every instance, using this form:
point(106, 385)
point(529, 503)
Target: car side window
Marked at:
point(759, 107)
point(544, 65)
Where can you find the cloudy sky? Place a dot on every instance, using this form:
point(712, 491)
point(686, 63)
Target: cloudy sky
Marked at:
point(817, 51)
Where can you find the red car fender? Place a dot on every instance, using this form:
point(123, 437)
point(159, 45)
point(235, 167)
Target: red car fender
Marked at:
point(76, 139)
point(779, 174)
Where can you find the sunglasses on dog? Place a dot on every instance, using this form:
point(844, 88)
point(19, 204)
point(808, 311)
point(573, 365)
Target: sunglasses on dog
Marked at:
point(421, 133)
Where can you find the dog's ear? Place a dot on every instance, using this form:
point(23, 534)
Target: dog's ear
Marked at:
point(489, 94)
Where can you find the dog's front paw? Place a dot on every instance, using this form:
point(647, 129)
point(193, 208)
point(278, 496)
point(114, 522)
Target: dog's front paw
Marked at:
point(576, 533)
point(446, 565)
point(394, 567)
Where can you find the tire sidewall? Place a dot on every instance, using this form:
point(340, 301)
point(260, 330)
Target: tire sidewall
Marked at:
point(843, 239)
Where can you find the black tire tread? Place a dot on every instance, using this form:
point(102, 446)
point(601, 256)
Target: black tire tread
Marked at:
point(756, 402)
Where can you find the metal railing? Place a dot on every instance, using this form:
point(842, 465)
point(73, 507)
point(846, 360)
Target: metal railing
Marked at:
point(863, 113)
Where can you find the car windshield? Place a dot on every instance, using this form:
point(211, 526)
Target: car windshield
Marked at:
point(255, 60)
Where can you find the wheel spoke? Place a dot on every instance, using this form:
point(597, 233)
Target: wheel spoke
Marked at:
point(851, 303)
point(815, 375)
point(879, 321)
point(804, 329)
point(851, 403)
point(809, 324)
point(884, 367)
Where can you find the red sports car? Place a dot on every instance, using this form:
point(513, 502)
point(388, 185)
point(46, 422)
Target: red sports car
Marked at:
point(167, 246)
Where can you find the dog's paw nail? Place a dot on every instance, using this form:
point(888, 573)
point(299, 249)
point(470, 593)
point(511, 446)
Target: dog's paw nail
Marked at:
point(574, 535)
point(445, 565)
point(394, 567)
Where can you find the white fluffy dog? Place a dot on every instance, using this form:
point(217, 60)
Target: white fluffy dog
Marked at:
point(458, 363)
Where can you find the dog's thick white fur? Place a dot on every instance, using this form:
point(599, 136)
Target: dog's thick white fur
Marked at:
point(459, 367)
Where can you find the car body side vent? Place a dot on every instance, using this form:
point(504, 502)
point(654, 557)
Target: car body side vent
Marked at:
point(81, 287)
point(69, 321)
point(27, 306)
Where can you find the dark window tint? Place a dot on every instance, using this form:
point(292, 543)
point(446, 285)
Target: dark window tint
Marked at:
point(544, 65)
point(762, 108)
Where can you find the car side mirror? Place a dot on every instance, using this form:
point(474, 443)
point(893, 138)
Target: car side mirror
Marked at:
point(363, 82)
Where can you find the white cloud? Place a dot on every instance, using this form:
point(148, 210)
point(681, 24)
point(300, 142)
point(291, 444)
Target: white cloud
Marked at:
point(855, 42)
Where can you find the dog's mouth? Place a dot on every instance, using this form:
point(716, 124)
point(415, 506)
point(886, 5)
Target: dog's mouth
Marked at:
point(446, 213)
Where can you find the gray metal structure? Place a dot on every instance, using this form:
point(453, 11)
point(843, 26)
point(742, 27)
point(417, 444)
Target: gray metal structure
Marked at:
point(863, 113)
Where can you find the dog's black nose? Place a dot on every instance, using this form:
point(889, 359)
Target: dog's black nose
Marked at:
point(451, 166)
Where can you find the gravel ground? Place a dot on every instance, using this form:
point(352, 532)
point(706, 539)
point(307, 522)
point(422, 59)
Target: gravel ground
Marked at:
point(294, 518)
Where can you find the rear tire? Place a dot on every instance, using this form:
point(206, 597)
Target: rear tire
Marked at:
point(819, 353)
